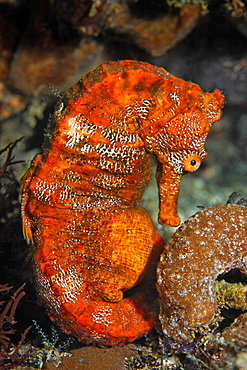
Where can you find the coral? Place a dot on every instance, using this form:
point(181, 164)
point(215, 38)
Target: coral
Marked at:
point(180, 3)
point(31, 48)
point(145, 360)
point(75, 34)
point(8, 33)
point(233, 295)
point(10, 239)
point(9, 189)
point(9, 353)
point(93, 358)
point(153, 35)
point(210, 243)
point(10, 102)
point(50, 350)
point(40, 65)
point(227, 349)
point(237, 8)
point(9, 160)
point(92, 241)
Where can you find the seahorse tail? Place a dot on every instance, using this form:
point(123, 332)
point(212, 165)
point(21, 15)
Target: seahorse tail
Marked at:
point(80, 312)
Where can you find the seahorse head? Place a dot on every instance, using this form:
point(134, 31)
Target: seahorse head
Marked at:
point(178, 128)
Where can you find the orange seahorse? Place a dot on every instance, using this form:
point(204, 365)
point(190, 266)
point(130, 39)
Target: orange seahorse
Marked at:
point(92, 241)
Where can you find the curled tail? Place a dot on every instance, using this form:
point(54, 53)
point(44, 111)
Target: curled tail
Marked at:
point(94, 320)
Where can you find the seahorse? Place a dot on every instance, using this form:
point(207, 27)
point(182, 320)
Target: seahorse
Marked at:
point(92, 243)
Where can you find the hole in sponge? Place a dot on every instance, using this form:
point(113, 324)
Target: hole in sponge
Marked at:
point(232, 296)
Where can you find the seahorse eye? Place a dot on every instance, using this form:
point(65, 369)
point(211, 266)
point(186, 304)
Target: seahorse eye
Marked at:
point(192, 163)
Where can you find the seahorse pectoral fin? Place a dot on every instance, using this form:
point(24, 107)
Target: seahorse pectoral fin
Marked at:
point(26, 222)
point(26, 229)
point(168, 181)
point(24, 196)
